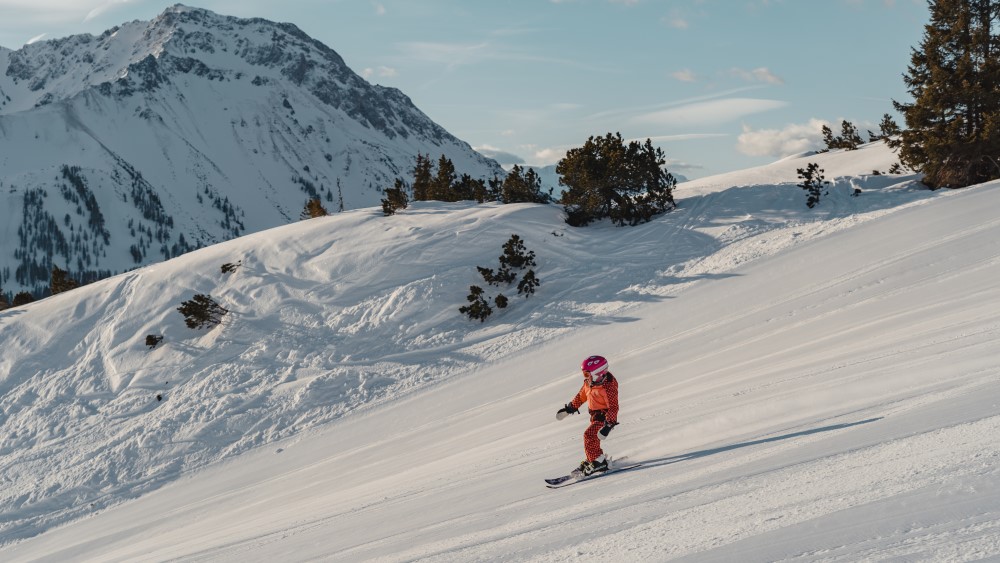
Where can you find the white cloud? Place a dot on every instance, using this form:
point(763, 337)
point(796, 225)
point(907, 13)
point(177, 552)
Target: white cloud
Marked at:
point(379, 8)
point(710, 112)
point(685, 75)
point(501, 156)
point(379, 72)
point(60, 11)
point(450, 54)
point(677, 19)
point(675, 165)
point(677, 22)
point(22, 14)
point(454, 55)
point(20, 19)
point(39, 5)
point(545, 157)
point(682, 137)
point(566, 106)
point(793, 139)
point(761, 74)
point(104, 7)
point(36, 39)
point(631, 110)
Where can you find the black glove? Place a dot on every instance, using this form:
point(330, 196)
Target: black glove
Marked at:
point(608, 427)
point(565, 411)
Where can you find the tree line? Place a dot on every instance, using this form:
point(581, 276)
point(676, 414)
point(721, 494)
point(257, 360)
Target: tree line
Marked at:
point(605, 178)
point(443, 183)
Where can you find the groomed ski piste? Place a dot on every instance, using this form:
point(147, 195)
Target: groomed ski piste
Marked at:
point(799, 384)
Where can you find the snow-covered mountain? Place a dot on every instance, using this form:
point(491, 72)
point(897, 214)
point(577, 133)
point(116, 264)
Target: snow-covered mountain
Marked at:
point(162, 136)
point(802, 384)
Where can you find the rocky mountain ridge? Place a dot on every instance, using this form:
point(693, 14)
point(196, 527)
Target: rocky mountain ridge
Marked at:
point(158, 137)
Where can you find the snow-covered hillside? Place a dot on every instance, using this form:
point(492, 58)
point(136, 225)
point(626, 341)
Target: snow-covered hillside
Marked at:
point(162, 136)
point(800, 384)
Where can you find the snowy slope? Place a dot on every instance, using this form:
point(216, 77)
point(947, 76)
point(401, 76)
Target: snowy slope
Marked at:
point(162, 136)
point(801, 384)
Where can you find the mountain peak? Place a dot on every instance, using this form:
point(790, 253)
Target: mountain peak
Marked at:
point(182, 9)
point(57, 69)
point(187, 130)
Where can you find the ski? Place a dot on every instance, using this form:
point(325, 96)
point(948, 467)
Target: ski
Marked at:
point(572, 478)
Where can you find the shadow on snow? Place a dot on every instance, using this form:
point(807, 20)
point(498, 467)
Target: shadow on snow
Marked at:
point(712, 451)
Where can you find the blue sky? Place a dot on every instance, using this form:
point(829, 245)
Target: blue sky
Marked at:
point(719, 85)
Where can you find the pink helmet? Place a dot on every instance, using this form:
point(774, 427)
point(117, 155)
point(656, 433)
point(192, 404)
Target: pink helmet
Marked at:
point(597, 367)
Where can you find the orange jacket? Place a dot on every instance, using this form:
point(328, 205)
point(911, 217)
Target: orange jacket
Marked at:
point(602, 397)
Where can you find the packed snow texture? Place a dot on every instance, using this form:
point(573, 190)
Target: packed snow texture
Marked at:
point(808, 385)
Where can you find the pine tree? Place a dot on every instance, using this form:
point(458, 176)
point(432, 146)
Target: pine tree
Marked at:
point(522, 186)
point(4, 304)
point(202, 311)
point(850, 139)
point(60, 281)
point(812, 182)
point(491, 277)
point(528, 283)
point(514, 189)
point(442, 186)
point(828, 139)
point(494, 190)
point(395, 198)
point(422, 178)
point(230, 267)
point(607, 178)
point(952, 130)
point(468, 188)
point(888, 131)
point(516, 255)
point(314, 208)
point(477, 308)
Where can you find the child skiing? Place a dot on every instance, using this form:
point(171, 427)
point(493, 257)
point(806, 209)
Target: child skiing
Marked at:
point(600, 391)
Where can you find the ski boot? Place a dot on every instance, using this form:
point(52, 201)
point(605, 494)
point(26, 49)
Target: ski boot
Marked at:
point(590, 467)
